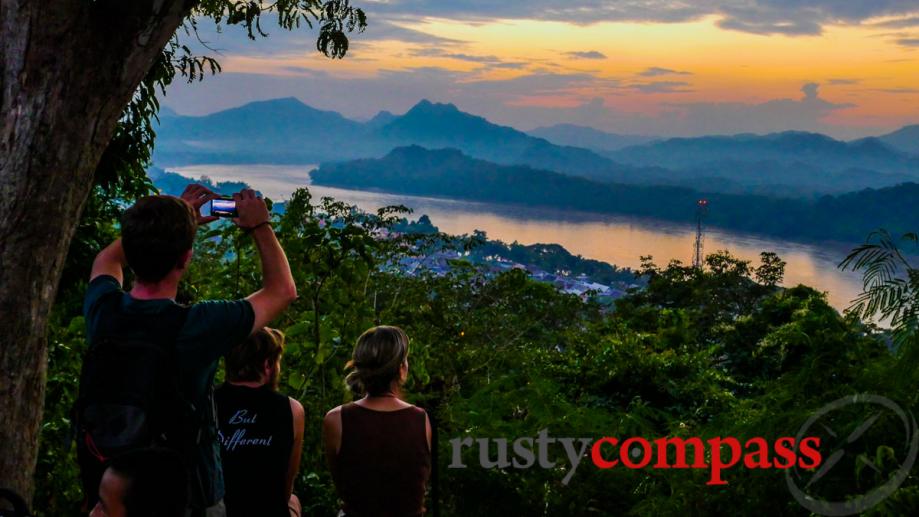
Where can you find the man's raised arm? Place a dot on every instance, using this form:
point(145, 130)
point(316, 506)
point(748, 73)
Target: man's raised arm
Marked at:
point(110, 261)
point(278, 289)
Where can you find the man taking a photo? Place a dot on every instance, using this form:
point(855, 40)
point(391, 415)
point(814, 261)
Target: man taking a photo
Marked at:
point(148, 376)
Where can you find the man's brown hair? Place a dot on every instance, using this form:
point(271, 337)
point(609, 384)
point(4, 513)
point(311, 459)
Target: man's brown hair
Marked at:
point(155, 234)
point(246, 361)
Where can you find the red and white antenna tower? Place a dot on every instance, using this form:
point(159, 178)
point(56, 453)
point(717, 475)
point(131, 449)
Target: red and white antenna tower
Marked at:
point(701, 210)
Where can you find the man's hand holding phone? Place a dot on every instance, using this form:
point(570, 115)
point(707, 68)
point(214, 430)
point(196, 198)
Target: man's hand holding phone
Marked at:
point(251, 209)
point(196, 196)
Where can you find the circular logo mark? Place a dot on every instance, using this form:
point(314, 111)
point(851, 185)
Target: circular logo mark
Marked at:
point(848, 425)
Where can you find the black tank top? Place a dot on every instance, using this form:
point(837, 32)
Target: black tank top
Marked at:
point(256, 437)
point(384, 462)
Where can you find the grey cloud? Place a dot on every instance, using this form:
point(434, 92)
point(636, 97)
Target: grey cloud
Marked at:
point(790, 17)
point(577, 11)
point(898, 90)
point(428, 52)
point(489, 61)
point(662, 87)
point(439, 52)
point(539, 82)
point(842, 81)
point(384, 29)
point(232, 39)
point(546, 65)
point(759, 19)
point(900, 23)
point(312, 72)
point(656, 71)
point(474, 59)
point(811, 91)
point(775, 115)
point(846, 10)
point(691, 119)
point(423, 72)
point(766, 27)
point(514, 65)
point(588, 54)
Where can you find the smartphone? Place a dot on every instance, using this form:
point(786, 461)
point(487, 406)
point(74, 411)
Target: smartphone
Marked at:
point(224, 207)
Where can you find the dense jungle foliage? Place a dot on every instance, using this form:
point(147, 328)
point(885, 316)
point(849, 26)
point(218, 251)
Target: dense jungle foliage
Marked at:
point(720, 351)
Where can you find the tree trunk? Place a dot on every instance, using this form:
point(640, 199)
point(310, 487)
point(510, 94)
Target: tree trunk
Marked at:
point(67, 70)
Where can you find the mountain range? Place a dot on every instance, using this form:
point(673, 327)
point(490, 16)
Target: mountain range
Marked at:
point(905, 139)
point(588, 137)
point(790, 164)
point(414, 170)
point(786, 148)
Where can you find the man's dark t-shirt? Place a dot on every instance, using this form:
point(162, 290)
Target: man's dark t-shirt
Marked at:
point(210, 331)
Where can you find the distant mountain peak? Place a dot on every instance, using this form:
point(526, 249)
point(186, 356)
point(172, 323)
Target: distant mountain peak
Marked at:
point(406, 149)
point(588, 137)
point(281, 101)
point(426, 106)
point(444, 123)
point(415, 150)
point(905, 139)
point(288, 106)
point(381, 119)
point(872, 143)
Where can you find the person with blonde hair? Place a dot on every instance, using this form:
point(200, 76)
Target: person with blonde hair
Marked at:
point(379, 446)
point(260, 430)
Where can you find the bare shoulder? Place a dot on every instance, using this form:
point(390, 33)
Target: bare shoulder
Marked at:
point(333, 415)
point(331, 435)
point(297, 408)
point(427, 427)
point(331, 428)
point(299, 414)
point(427, 419)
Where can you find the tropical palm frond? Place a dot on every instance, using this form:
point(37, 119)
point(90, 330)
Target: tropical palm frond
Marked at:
point(890, 283)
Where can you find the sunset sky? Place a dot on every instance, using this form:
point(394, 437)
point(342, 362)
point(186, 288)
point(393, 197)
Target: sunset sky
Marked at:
point(848, 68)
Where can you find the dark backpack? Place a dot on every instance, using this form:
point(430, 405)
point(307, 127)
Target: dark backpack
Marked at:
point(130, 396)
point(19, 507)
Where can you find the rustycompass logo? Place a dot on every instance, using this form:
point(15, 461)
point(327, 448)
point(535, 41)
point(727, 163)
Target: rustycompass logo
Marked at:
point(869, 445)
point(716, 454)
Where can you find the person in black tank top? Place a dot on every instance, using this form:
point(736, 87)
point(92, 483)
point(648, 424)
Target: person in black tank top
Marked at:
point(260, 431)
point(379, 447)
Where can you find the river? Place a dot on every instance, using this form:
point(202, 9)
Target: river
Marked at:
point(619, 240)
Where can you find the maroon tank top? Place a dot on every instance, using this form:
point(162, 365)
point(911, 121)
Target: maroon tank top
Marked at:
point(383, 463)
